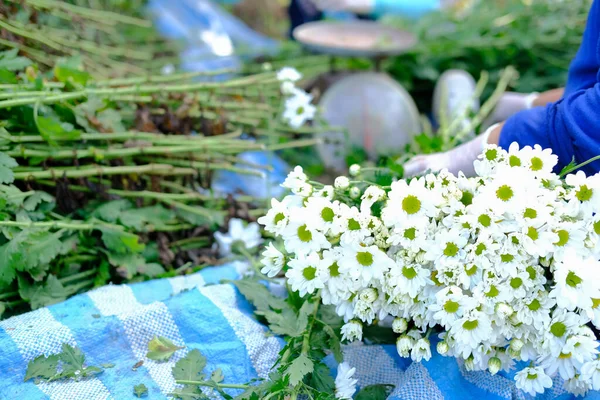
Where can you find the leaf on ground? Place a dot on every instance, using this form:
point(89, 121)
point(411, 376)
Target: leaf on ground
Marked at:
point(375, 392)
point(110, 119)
point(107, 365)
point(127, 264)
point(190, 367)
point(111, 211)
point(140, 390)
point(72, 359)
point(53, 131)
point(42, 367)
point(161, 349)
point(217, 375)
point(299, 368)
point(71, 75)
point(140, 217)
point(120, 241)
point(37, 198)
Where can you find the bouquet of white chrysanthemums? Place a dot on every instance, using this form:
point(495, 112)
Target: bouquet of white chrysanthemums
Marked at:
point(503, 266)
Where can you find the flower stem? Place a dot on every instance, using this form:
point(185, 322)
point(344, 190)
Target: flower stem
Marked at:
point(213, 384)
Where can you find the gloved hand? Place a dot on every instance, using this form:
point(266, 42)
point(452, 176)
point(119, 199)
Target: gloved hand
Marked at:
point(458, 159)
point(353, 6)
point(509, 104)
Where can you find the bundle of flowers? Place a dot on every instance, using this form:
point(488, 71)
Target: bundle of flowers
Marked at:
point(503, 267)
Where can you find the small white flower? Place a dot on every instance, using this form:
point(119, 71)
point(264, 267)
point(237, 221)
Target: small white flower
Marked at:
point(305, 274)
point(345, 383)
point(352, 331)
point(248, 235)
point(533, 380)
point(404, 345)
point(354, 170)
point(273, 261)
point(289, 74)
point(421, 350)
point(298, 109)
point(590, 371)
point(399, 325)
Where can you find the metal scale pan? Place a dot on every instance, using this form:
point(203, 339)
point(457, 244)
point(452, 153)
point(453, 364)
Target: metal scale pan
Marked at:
point(377, 112)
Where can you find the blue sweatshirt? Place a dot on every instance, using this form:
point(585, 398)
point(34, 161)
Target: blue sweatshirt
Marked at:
point(571, 126)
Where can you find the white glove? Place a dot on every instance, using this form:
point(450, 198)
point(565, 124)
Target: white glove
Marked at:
point(509, 104)
point(353, 6)
point(458, 159)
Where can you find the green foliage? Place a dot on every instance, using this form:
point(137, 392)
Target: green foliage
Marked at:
point(161, 349)
point(299, 368)
point(68, 364)
point(375, 392)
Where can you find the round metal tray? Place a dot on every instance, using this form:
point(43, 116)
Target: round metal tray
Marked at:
point(354, 38)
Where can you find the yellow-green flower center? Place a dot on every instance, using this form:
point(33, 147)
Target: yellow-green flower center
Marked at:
point(516, 283)
point(480, 249)
point(334, 270)
point(514, 161)
point(536, 164)
point(485, 220)
point(278, 217)
point(410, 233)
point(451, 306)
point(327, 214)
point(558, 329)
point(451, 249)
point(493, 292)
point(584, 193)
point(533, 233)
point(563, 237)
point(411, 204)
point(353, 224)
point(534, 305)
point(470, 325)
point(409, 272)
point(304, 234)
point(532, 376)
point(491, 154)
point(467, 198)
point(364, 258)
point(597, 227)
point(507, 258)
point(532, 272)
point(309, 273)
point(504, 193)
point(572, 279)
point(530, 213)
point(471, 271)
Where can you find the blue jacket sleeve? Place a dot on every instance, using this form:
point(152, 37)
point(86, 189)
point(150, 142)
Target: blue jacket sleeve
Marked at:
point(406, 8)
point(570, 127)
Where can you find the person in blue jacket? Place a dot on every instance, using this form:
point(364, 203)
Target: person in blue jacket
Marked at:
point(302, 11)
point(564, 120)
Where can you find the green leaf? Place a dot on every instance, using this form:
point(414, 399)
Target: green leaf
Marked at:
point(127, 264)
point(7, 76)
point(120, 241)
point(375, 392)
point(334, 343)
point(111, 211)
point(321, 379)
point(10, 61)
point(42, 367)
point(140, 390)
point(217, 375)
point(569, 167)
point(7, 163)
point(287, 322)
point(2, 308)
point(66, 74)
point(140, 217)
point(299, 368)
point(151, 270)
point(41, 295)
point(161, 349)
point(110, 119)
point(107, 365)
point(53, 131)
point(190, 367)
point(260, 297)
point(72, 359)
point(37, 198)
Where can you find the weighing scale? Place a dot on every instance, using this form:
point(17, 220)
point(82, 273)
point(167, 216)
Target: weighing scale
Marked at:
point(377, 112)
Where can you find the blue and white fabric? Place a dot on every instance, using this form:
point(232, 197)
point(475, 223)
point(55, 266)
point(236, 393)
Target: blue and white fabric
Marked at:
point(114, 324)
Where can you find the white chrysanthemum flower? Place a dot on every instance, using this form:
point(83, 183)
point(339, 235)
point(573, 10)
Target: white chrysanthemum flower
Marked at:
point(472, 329)
point(412, 235)
point(577, 282)
point(304, 274)
point(352, 331)
point(364, 263)
point(299, 238)
point(345, 383)
point(577, 386)
point(404, 345)
point(486, 163)
point(409, 279)
point(407, 201)
point(273, 261)
point(447, 246)
point(586, 191)
point(327, 192)
point(298, 109)
point(533, 380)
point(248, 235)
point(506, 191)
point(590, 372)
point(540, 161)
point(571, 237)
point(371, 195)
point(321, 213)
point(450, 306)
point(288, 74)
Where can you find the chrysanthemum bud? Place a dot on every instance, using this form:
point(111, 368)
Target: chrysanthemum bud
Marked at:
point(470, 364)
point(399, 325)
point(504, 310)
point(516, 344)
point(355, 192)
point(443, 347)
point(404, 345)
point(341, 182)
point(368, 295)
point(354, 169)
point(351, 331)
point(494, 365)
point(267, 66)
point(420, 258)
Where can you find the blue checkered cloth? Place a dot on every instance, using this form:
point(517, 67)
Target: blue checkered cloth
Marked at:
point(114, 324)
